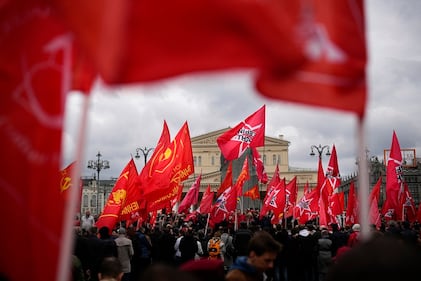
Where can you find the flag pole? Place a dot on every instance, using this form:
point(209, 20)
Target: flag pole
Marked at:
point(363, 181)
point(207, 224)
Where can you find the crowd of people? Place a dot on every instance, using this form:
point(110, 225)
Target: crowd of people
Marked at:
point(253, 250)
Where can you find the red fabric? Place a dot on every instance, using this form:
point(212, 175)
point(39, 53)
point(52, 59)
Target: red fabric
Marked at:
point(161, 39)
point(206, 202)
point(394, 184)
point(227, 182)
point(291, 197)
point(117, 199)
point(275, 201)
point(248, 133)
point(35, 79)
point(335, 72)
point(274, 182)
point(260, 168)
point(320, 174)
point(225, 204)
point(147, 172)
point(242, 178)
point(351, 216)
point(131, 209)
point(67, 182)
point(192, 195)
point(408, 209)
point(373, 201)
point(172, 166)
point(308, 207)
point(253, 193)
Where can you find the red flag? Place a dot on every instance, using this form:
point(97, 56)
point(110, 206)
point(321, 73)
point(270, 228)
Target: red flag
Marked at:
point(161, 146)
point(320, 174)
point(308, 207)
point(394, 180)
point(36, 75)
point(67, 182)
point(373, 201)
point(258, 164)
point(336, 48)
point(150, 40)
point(274, 182)
point(275, 201)
point(253, 193)
point(291, 191)
point(227, 182)
point(118, 196)
point(192, 195)
point(176, 199)
point(206, 202)
point(131, 209)
point(249, 133)
point(173, 166)
point(408, 209)
point(226, 203)
point(306, 188)
point(242, 178)
point(351, 216)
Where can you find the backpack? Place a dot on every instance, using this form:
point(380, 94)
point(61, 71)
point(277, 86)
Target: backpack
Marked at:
point(214, 248)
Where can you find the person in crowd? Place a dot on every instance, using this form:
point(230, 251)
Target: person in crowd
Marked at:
point(307, 254)
point(142, 252)
point(339, 237)
point(262, 252)
point(108, 245)
point(125, 252)
point(381, 258)
point(216, 247)
point(188, 246)
point(353, 238)
point(165, 246)
point(324, 260)
point(229, 253)
point(87, 221)
point(241, 239)
point(110, 269)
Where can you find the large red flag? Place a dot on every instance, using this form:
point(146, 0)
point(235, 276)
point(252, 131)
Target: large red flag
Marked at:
point(36, 75)
point(274, 182)
point(258, 164)
point(172, 166)
point(351, 216)
point(336, 48)
point(227, 182)
point(248, 133)
point(291, 191)
point(192, 195)
point(394, 180)
point(308, 207)
point(149, 40)
point(206, 202)
point(118, 196)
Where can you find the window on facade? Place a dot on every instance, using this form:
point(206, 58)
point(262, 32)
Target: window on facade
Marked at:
point(195, 160)
point(93, 200)
point(264, 159)
point(199, 161)
point(274, 159)
point(213, 160)
point(85, 201)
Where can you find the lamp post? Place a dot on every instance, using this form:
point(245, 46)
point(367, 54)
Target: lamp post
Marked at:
point(319, 150)
point(145, 151)
point(98, 165)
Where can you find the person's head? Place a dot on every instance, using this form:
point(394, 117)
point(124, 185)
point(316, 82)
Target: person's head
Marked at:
point(104, 232)
point(110, 268)
point(87, 213)
point(262, 251)
point(122, 231)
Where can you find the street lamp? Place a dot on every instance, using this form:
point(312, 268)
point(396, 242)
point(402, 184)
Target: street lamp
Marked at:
point(319, 150)
point(145, 152)
point(98, 165)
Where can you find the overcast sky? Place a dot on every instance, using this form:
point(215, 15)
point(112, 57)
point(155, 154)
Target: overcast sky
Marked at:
point(122, 119)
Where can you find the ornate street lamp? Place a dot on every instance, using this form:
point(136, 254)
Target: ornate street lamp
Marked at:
point(319, 150)
point(145, 151)
point(98, 165)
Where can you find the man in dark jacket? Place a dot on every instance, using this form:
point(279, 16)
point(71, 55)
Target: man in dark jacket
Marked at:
point(263, 249)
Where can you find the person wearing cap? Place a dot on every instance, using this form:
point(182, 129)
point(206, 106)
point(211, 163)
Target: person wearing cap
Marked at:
point(125, 252)
point(354, 236)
